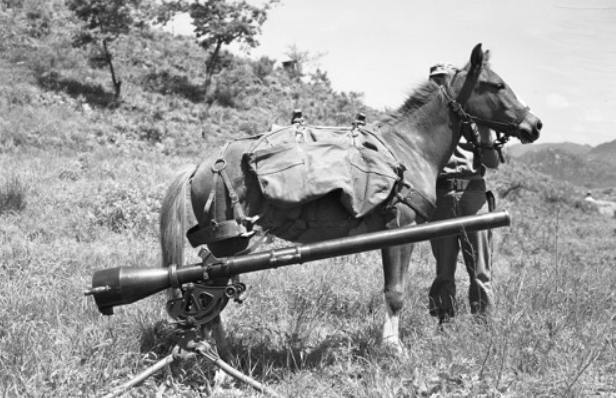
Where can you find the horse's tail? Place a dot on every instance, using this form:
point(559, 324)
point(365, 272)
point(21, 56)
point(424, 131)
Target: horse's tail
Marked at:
point(173, 219)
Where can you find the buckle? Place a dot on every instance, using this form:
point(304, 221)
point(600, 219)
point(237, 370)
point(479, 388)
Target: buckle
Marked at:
point(455, 184)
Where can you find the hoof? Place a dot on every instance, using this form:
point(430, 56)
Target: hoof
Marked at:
point(394, 345)
point(221, 379)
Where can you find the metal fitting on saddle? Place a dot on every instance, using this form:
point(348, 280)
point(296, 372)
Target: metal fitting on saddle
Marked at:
point(360, 120)
point(297, 117)
point(219, 165)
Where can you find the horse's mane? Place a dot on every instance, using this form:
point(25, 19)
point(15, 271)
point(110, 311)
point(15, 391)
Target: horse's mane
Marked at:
point(419, 97)
point(426, 91)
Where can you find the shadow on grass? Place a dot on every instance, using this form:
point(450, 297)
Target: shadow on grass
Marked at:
point(166, 83)
point(265, 359)
point(95, 95)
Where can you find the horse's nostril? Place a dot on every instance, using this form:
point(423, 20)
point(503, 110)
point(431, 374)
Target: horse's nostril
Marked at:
point(539, 125)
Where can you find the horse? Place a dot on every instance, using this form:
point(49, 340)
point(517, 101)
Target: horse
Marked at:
point(421, 134)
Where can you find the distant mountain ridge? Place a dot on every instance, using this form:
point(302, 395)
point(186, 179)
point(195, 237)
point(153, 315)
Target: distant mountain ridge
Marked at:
point(582, 165)
point(605, 152)
point(518, 150)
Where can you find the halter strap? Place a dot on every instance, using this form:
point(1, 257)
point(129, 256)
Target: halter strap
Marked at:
point(456, 111)
point(500, 126)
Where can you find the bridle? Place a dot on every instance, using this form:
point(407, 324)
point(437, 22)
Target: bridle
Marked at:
point(457, 104)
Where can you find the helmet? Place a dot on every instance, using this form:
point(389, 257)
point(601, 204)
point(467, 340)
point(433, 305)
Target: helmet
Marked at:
point(441, 69)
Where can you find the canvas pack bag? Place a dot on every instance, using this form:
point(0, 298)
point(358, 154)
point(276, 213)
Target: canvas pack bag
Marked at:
point(298, 164)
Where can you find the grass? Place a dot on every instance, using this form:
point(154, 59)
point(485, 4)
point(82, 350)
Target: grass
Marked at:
point(306, 331)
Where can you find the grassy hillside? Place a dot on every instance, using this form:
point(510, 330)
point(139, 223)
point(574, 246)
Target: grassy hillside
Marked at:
point(565, 166)
point(605, 152)
point(81, 183)
point(581, 165)
point(55, 99)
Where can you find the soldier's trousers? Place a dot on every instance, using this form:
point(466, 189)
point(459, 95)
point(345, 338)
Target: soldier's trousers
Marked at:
point(476, 252)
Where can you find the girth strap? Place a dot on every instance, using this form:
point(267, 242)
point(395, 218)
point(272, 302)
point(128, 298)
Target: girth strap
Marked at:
point(415, 200)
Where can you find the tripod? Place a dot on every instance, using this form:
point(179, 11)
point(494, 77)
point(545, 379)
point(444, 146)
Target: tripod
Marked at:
point(189, 346)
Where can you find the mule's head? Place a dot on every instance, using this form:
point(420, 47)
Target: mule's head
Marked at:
point(488, 101)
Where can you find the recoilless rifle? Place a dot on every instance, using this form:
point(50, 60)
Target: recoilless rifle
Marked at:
point(202, 300)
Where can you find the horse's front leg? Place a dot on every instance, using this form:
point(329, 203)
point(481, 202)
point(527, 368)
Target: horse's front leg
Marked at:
point(395, 265)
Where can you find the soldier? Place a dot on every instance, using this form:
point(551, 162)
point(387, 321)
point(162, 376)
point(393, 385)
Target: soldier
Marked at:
point(461, 191)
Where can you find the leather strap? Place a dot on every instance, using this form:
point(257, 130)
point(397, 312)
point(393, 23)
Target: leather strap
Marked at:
point(461, 184)
point(216, 232)
point(414, 199)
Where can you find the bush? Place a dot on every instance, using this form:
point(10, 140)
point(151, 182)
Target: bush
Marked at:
point(12, 196)
point(586, 206)
point(127, 209)
point(263, 67)
point(234, 85)
point(165, 82)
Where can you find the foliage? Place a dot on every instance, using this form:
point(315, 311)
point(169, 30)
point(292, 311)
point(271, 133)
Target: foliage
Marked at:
point(104, 21)
point(219, 23)
point(299, 60)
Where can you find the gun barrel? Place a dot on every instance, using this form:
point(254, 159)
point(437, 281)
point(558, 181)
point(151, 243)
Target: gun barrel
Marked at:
point(355, 244)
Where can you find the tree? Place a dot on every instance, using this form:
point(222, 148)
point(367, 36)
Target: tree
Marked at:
point(104, 21)
point(219, 23)
point(299, 60)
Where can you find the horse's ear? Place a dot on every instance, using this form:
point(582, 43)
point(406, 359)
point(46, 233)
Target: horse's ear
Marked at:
point(477, 57)
point(474, 70)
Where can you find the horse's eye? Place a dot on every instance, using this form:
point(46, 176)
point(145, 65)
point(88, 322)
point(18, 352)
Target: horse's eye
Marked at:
point(500, 86)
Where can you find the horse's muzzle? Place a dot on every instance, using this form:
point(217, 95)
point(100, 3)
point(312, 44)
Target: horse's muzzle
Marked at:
point(530, 129)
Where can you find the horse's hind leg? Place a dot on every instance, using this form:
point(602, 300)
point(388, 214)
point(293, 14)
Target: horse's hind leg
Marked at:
point(174, 219)
point(395, 265)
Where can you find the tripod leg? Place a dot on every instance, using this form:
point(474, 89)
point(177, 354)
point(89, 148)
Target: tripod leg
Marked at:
point(208, 353)
point(141, 377)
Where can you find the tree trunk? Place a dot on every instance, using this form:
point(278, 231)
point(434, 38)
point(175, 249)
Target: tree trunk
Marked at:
point(210, 67)
point(117, 83)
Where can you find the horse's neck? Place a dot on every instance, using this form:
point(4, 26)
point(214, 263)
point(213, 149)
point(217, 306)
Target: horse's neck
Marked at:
point(424, 140)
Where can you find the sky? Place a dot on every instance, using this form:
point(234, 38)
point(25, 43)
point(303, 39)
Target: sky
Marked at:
point(559, 56)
